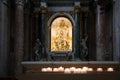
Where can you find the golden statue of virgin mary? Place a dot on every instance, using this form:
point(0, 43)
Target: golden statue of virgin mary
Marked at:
point(61, 35)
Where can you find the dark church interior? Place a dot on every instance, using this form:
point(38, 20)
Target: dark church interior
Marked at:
point(59, 39)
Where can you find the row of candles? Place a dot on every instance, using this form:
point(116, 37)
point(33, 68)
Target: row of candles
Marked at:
point(74, 70)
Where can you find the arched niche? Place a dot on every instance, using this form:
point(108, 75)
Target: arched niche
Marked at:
point(61, 34)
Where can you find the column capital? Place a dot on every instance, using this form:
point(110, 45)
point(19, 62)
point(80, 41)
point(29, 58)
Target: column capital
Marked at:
point(77, 7)
point(43, 4)
point(43, 7)
point(19, 2)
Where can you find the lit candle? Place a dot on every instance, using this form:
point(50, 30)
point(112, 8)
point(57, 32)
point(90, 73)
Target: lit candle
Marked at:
point(77, 71)
point(90, 69)
point(67, 71)
point(99, 69)
point(49, 69)
point(72, 69)
point(83, 71)
point(44, 70)
point(61, 69)
point(85, 68)
point(110, 69)
point(55, 70)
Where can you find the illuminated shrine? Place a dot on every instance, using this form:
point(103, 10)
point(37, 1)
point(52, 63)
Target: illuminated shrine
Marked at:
point(60, 39)
point(61, 35)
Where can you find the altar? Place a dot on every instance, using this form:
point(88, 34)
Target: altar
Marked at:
point(32, 71)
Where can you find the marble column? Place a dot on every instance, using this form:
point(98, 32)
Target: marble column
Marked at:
point(100, 36)
point(3, 37)
point(43, 24)
point(116, 30)
point(19, 36)
point(77, 30)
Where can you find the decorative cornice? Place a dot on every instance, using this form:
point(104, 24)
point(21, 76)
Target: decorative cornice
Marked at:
point(20, 2)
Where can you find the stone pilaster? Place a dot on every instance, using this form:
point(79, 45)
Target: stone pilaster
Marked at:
point(99, 45)
point(27, 25)
point(43, 16)
point(3, 37)
point(100, 36)
point(19, 36)
point(116, 30)
point(77, 29)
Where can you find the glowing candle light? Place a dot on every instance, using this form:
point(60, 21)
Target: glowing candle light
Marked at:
point(77, 71)
point(90, 69)
point(49, 69)
point(83, 71)
point(99, 69)
point(67, 71)
point(85, 68)
point(61, 69)
point(110, 69)
point(72, 69)
point(44, 70)
point(55, 70)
